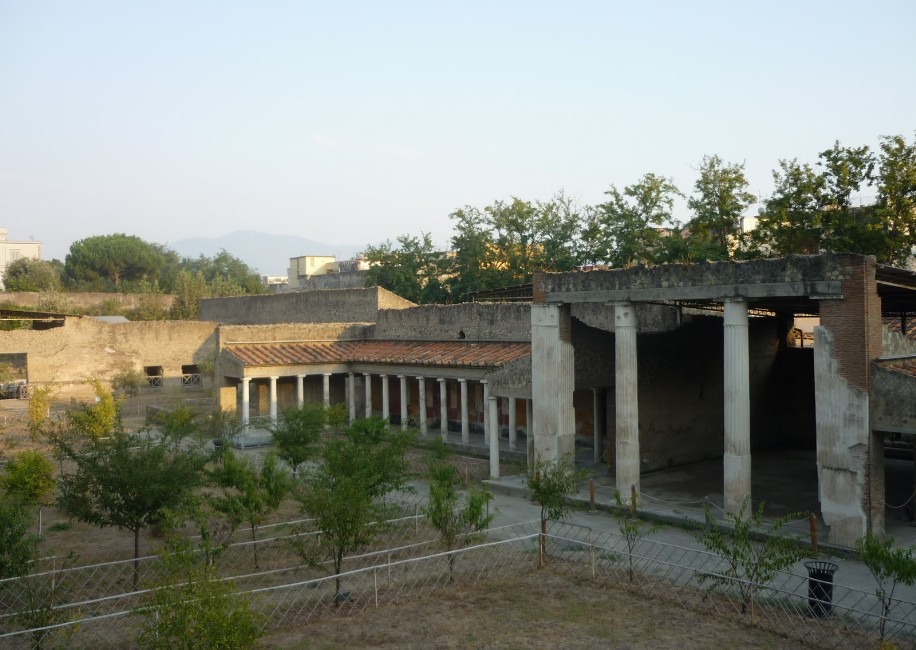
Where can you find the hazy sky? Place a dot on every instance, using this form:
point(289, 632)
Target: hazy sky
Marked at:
point(353, 122)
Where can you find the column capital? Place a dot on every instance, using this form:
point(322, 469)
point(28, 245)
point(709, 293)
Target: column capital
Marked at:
point(464, 380)
point(442, 380)
point(275, 377)
point(383, 375)
point(482, 381)
point(327, 374)
point(402, 376)
point(301, 376)
point(367, 374)
point(246, 380)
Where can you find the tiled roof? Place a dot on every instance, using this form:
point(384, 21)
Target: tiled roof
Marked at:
point(422, 353)
point(893, 324)
point(906, 366)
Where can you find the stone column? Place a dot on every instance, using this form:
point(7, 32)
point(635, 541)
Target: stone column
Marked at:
point(513, 425)
point(552, 382)
point(626, 397)
point(529, 431)
point(273, 399)
point(326, 387)
point(386, 409)
point(351, 396)
point(443, 407)
point(486, 405)
point(421, 397)
point(403, 387)
point(491, 421)
point(465, 425)
point(368, 379)
point(300, 390)
point(246, 401)
point(596, 424)
point(737, 458)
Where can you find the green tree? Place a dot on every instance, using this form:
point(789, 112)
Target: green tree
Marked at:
point(409, 267)
point(343, 493)
point(39, 409)
point(108, 259)
point(127, 480)
point(457, 517)
point(250, 493)
point(26, 274)
point(631, 527)
point(29, 477)
point(97, 419)
point(17, 543)
point(189, 289)
point(896, 203)
point(634, 222)
point(474, 265)
point(793, 221)
point(559, 223)
point(298, 433)
point(890, 566)
point(719, 200)
point(751, 551)
point(846, 172)
point(550, 483)
point(225, 274)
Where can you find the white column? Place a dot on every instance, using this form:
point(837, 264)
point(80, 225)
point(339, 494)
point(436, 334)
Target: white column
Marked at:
point(513, 425)
point(737, 457)
point(246, 401)
point(386, 410)
point(351, 396)
point(403, 387)
point(273, 399)
point(327, 389)
point(486, 405)
point(421, 397)
point(529, 430)
point(493, 422)
point(465, 424)
point(443, 407)
point(627, 421)
point(596, 424)
point(300, 390)
point(552, 383)
point(368, 379)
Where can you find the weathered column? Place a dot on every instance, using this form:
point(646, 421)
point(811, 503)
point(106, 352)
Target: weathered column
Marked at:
point(386, 409)
point(737, 457)
point(273, 399)
point(351, 396)
point(403, 388)
point(368, 379)
point(421, 397)
point(625, 394)
point(491, 422)
point(443, 407)
point(486, 405)
point(552, 382)
point(512, 424)
point(529, 431)
point(300, 390)
point(246, 401)
point(326, 389)
point(596, 422)
point(465, 425)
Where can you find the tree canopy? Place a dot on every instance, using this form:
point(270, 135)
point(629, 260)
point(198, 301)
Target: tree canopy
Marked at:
point(27, 274)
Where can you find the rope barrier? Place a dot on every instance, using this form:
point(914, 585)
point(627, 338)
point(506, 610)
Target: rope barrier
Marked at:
point(904, 504)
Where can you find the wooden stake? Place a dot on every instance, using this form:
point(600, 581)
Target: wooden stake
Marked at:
point(812, 522)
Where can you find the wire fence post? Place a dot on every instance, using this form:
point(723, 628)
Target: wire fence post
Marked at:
point(375, 585)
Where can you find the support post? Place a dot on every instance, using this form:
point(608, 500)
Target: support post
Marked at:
point(403, 388)
point(300, 391)
point(486, 405)
point(626, 396)
point(443, 407)
point(513, 425)
point(421, 397)
point(492, 422)
point(326, 389)
point(246, 401)
point(351, 396)
point(737, 456)
point(596, 425)
point(368, 379)
point(529, 431)
point(273, 399)
point(386, 409)
point(465, 425)
point(552, 382)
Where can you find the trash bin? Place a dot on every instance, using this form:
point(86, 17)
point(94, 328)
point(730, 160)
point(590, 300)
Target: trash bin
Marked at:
point(820, 587)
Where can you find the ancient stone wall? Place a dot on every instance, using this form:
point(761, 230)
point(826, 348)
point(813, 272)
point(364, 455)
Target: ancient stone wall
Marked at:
point(473, 321)
point(72, 302)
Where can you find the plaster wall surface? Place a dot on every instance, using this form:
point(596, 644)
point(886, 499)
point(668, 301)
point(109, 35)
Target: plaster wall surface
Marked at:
point(292, 332)
point(896, 344)
point(552, 377)
point(893, 401)
point(68, 302)
point(84, 348)
point(649, 318)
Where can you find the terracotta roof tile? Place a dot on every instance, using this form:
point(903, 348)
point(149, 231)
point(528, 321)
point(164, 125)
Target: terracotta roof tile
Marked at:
point(421, 353)
point(894, 325)
point(906, 366)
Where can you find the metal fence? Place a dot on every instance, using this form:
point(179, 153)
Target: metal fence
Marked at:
point(695, 579)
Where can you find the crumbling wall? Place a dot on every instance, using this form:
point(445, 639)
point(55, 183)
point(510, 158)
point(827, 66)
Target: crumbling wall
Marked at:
point(472, 321)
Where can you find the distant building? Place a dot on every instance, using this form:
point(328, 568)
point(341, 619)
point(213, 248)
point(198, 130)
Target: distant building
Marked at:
point(275, 283)
point(10, 251)
point(303, 269)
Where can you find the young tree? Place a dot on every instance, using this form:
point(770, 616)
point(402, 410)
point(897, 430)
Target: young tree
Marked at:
point(752, 552)
point(631, 527)
point(27, 274)
point(250, 493)
point(98, 419)
point(549, 484)
point(29, 477)
point(39, 409)
point(343, 493)
point(189, 289)
point(298, 433)
point(890, 566)
point(897, 197)
point(17, 543)
point(719, 199)
point(454, 515)
point(127, 480)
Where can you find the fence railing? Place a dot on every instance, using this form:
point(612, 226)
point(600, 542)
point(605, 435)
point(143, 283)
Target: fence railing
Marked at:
point(692, 578)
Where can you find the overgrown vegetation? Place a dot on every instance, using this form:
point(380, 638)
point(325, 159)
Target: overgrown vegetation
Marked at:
point(631, 527)
point(891, 566)
point(550, 483)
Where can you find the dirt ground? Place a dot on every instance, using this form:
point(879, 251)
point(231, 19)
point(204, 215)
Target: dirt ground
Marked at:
point(542, 609)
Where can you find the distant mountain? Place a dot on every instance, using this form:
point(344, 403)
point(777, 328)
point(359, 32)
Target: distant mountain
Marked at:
point(267, 253)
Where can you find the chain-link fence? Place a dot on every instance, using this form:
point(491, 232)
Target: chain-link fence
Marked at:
point(794, 606)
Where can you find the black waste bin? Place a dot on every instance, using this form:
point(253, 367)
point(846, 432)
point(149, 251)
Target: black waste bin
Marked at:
point(820, 587)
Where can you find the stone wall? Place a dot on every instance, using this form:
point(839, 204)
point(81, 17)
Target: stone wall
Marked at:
point(330, 306)
point(477, 321)
point(85, 348)
point(291, 332)
point(892, 404)
point(895, 343)
point(355, 280)
point(72, 302)
point(649, 318)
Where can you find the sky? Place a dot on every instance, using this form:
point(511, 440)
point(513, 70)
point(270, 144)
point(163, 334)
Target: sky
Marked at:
point(355, 122)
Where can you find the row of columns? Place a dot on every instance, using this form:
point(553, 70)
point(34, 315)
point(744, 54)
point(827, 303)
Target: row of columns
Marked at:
point(300, 395)
point(552, 387)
